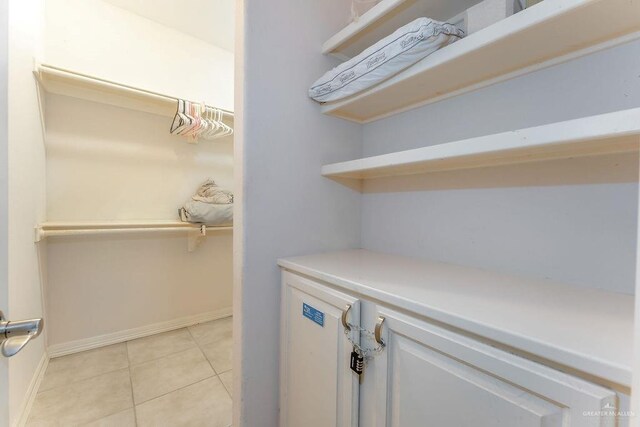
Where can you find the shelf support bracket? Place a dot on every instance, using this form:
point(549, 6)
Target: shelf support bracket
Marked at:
point(195, 238)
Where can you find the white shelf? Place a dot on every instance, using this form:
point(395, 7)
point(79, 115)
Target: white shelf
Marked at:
point(196, 232)
point(70, 83)
point(587, 330)
point(545, 34)
point(386, 17)
point(606, 133)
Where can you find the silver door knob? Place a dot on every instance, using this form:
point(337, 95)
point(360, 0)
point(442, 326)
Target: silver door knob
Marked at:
point(15, 335)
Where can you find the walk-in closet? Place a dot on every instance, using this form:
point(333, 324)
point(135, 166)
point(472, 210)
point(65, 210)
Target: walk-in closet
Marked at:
point(133, 104)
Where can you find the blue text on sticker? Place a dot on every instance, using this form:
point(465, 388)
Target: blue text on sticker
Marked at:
point(311, 313)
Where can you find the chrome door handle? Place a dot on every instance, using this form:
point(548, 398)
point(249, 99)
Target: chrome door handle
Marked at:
point(377, 332)
point(15, 335)
point(345, 313)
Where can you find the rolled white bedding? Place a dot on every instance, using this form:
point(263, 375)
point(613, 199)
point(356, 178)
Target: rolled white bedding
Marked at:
point(207, 213)
point(406, 46)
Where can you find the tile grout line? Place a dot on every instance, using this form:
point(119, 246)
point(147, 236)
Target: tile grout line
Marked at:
point(203, 354)
point(225, 387)
point(168, 354)
point(213, 375)
point(210, 364)
point(111, 413)
point(129, 363)
point(133, 402)
point(85, 378)
point(173, 391)
point(197, 345)
point(214, 370)
point(173, 353)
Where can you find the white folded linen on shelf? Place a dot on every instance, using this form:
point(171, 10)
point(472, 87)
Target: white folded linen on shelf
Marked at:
point(207, 213)
point(209, 192)
point(211, 205)
point(406, 46)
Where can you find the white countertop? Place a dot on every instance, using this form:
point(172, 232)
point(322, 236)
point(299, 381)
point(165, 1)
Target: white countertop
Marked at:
point(585, 329)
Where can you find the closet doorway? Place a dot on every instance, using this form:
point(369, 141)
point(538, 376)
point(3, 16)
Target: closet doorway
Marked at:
point(135, 248)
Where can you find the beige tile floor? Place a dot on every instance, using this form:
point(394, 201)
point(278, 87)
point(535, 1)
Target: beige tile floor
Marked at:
point(178, 378)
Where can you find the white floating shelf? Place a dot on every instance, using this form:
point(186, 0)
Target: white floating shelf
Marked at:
point(548, 33)
point(606, 133)
point(70, 83)
point(550, 320)
point(196, 231)
point(386, 17)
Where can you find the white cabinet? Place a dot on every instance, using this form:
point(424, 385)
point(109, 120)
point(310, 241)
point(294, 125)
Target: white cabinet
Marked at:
point(317, 386)
point(428, 375)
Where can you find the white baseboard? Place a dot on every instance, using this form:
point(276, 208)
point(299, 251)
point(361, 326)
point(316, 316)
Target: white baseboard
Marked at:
point(32, 391)
point(70, 347)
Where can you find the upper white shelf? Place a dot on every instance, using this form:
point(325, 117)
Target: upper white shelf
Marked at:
point(545, 34)
point(386, 17)
point(70, 83)
point(605, 133)
point(550, 320)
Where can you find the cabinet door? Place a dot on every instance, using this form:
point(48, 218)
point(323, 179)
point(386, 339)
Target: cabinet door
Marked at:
point(318, 388)
point(430, 376)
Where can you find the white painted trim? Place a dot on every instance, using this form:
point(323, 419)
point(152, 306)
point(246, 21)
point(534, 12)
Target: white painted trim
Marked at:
point(32, 391)
point(240, 289)
point(71, 347)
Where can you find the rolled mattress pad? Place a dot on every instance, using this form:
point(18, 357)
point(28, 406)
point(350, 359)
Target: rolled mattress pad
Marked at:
point(406, 46)
point(207, 213)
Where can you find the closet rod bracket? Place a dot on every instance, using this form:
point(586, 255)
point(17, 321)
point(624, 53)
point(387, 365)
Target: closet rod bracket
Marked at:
point(38, 234)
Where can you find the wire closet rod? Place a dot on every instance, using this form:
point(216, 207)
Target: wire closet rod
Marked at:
point(44, 71)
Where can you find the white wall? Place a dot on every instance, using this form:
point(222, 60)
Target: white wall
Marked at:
point(4, 199)
point(635, 387)
point(26, 190)
point(115, 164)
point(208, 20)
point(108, 163)
point(97, 38)
point(287, 208)
point(573, 220)
point(106, 285)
